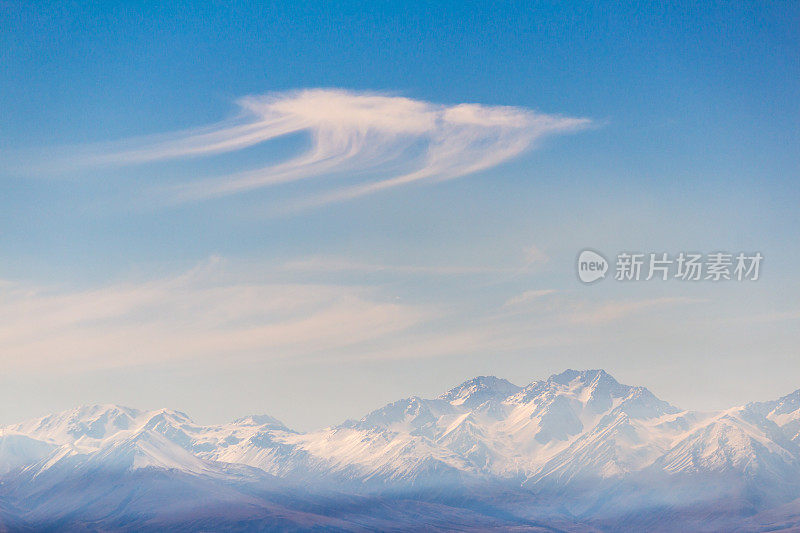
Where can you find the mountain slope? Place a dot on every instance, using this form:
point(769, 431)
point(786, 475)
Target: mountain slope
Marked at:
point(585, 446)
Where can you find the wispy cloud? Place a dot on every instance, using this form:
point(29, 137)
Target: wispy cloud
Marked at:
point(318, 264)
point(528, 296)
point(231, 313)
point(616, 310)
point(533, 254)
point(216, 311)
point(196, 315)
point(372, 141)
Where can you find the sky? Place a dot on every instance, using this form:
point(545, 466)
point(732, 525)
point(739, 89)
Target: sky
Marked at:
point(312, 210)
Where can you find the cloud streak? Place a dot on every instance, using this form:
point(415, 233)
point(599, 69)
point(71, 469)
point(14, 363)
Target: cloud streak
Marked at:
point(197, 315)
point(221, 313)
point(322, 264)
point(371, 141)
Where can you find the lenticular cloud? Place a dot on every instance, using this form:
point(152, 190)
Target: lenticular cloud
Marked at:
point(373, 141)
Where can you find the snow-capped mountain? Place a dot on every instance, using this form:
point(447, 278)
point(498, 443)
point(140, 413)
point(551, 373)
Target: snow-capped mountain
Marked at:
point(573, 432)
point(785, 412)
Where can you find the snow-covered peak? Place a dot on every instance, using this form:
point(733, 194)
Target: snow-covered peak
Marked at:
point(90, 426)
point(260, 420)
point(408, 414)
point(785, 412)
point(148, 449)
point(164, 416)
point(585, 386)
point(88, 421)
point(598, 391)
point(736, 439)
point(479, 390)
point(484, 393)
point(585, 376)
point(641, 403)
point(789, 404)
point(596, 379)
point(573, 425)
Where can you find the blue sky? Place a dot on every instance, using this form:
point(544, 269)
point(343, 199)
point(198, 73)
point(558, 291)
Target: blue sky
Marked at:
point(184, 281)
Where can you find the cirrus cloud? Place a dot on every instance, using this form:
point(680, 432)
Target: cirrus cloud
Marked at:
point(373, 141)
point(197, 315)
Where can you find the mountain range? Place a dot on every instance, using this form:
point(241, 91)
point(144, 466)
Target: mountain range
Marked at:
point(577, 451)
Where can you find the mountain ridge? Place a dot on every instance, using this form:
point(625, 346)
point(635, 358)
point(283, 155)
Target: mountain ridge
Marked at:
point(575, 432)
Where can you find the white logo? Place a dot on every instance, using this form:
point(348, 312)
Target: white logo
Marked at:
point(591, 266)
